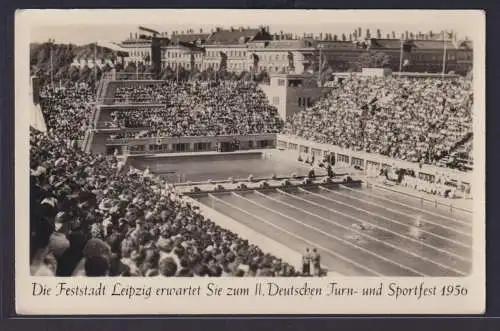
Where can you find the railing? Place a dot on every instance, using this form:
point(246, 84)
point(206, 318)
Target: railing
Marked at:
point(380, 160)
point(132, 101)
point(423, 199)
point(134, 76)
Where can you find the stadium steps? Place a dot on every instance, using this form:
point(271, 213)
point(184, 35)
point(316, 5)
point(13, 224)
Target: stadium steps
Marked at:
point(87, 142)
point(463, 142)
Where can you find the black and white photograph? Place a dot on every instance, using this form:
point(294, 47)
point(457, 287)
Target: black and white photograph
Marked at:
point(309, 146)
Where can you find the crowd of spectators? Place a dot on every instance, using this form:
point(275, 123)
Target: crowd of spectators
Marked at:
point(67, 110)
point(91, 216)
point(413, 119)
point(195, 109)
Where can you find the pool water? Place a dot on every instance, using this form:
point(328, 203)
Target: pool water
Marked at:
point(358, 231)
point(199, 168)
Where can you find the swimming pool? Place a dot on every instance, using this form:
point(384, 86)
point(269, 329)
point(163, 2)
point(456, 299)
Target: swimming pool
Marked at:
point(221, 166)
point(358, 231)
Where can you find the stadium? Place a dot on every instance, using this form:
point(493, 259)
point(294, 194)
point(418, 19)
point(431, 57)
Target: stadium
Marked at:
point(364, 173)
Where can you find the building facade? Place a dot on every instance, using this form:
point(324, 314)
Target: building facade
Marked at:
point(138, 48)
point(291, 93)
point(257, 50)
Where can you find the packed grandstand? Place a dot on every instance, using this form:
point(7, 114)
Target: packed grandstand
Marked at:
point(95, 219)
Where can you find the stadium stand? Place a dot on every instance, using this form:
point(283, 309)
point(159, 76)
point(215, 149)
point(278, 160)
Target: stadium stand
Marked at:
point(418, 120)
point(67, 110)
point(88, 218)
point(193, 109)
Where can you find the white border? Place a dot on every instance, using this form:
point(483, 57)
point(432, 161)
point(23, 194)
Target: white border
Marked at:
point(474, 302)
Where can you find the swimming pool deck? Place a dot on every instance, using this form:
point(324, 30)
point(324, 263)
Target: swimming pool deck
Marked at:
point(184, 154)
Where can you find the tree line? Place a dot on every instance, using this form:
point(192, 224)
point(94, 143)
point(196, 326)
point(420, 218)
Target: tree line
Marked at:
point(59, 66)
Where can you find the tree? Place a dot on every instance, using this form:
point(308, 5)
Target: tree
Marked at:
point(344, 37)
point(371, 60)
point(73, 74)
point(195, 75)
point(119, 66)
point(43, 55)
point(233, 76)
point(141, 67)
point(106, 67)
point(379, 34)
point(61, 73)
point(84, 74)
point(93, 76)
point(335, 37)
point(183, 74)
point(263, 77)
point(245, 75)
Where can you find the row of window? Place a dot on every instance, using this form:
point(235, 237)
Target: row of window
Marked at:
point(182, 147)
point(139, 53)
point(177, 54)
point(265, 57)
point(426, 57)
point(229, 53)
point(181, 54)
point(305, 102)
point(283, 56)
point(231, 66)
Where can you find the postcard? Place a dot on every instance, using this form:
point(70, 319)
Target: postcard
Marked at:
point(250, 162)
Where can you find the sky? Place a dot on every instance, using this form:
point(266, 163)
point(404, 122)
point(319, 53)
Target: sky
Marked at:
point(86, 26)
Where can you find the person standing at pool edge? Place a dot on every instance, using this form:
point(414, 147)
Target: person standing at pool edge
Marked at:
point(306, 263)
point(316, 262)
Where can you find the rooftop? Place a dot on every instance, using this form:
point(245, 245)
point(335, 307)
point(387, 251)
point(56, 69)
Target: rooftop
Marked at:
point(237, 36)
point(189, 38)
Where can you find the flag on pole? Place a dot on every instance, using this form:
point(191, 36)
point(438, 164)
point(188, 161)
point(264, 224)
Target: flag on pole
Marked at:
point(445, 35)
point(291, 65)
point(401, 54)
point(51, 45)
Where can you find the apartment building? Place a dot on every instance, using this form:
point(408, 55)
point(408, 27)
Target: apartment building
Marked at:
point(256, 49)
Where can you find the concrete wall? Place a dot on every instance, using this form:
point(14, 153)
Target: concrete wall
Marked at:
point(288, 97)
point(288, 142)
point(293, 94)
point(101, 140)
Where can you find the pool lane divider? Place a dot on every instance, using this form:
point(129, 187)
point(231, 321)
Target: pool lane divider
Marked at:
point(373, 272)
point(264, 242)
point(365, 235)
point(434, 201)
point(447, 227)
point(390, 219)
point(382, 228)
point(408, 206)
point(420, 210)
point(380, 257)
